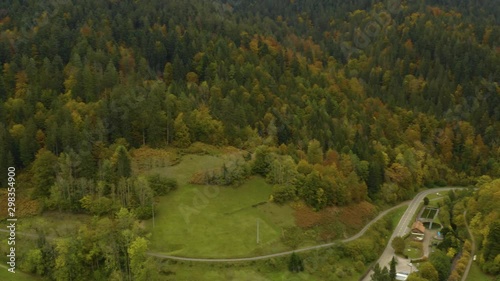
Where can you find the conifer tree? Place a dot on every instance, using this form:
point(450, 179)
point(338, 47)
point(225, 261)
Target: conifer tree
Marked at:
point(295, 264)
point(122, 162)
point(182, 137)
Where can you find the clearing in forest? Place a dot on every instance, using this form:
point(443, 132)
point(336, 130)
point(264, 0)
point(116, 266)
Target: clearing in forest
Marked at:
point(216, 221)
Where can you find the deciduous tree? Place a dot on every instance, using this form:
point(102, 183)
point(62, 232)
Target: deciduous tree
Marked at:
point(398, 244)
point(182, 136)
point(44, 172)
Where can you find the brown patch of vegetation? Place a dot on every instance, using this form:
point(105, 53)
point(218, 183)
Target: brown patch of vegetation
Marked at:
point(355, 216)
point(200, 148)
point(306, 217)
point(333, 221)
point(146, 158)
point(199, 178)
point(25, 207)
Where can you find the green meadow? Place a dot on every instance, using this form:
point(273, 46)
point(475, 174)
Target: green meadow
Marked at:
point(216, 221)
point(17, 276)
point(274, 269)
point(475, 274)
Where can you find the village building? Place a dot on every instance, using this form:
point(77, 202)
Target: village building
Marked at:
point(418, 230)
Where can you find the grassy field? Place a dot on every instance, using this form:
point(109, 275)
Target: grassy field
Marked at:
point(433, 196)
point(475, 274)
point(212, 221)
point(272, 269)
point(413, 249)
point(189, 165)
point(219, 221)
point(216, 221)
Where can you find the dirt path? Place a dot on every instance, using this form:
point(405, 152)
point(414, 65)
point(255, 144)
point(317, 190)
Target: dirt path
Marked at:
point(354, 237)
point(429, 234)
point(472, 251)
point(384, 259)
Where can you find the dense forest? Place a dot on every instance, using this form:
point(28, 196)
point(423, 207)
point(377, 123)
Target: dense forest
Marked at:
point(337, 102)
point(422, 94)
point(482, 210)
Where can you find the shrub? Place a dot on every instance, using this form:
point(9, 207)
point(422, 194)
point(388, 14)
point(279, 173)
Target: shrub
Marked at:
point(296, 264)
point(441, 182)
point(359, 266)
point(262, 162)
point(426, 201)
point(340, 273)
point(144, 212)
point(283, 193)
point(231, 174)
point(161, 185)
point(97, 206)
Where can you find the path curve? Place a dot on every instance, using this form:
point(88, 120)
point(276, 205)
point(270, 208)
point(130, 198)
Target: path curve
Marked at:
point(402, 225)
point(401, 229)
point(418, 198)
point(354, 237)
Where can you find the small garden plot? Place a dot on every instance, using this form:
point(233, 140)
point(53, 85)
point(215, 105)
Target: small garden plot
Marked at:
point(413, 249)
point(429, 213)
point(433, 196)
point(435, 225)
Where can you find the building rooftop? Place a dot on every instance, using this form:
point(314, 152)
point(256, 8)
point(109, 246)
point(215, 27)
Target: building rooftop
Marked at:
point(418, 226)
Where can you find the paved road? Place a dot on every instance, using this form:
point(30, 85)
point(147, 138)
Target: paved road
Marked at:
point(473, 247)
point(401, 229)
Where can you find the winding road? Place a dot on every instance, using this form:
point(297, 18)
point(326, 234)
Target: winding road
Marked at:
point(354, 237)
point(384, 259)
point(401, 230)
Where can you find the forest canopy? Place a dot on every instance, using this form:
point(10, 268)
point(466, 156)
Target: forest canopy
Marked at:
point(421, 95)
point(334, 102)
